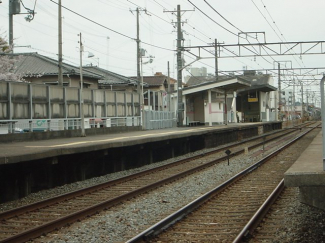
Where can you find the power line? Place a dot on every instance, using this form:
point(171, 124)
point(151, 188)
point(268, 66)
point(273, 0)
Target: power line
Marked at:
point(151, 13)
point(213, 19)
point(221, 15)
point(270, 23)
point(82, 16)
point(119, 33)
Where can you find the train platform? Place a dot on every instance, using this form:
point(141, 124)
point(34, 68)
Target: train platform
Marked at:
point(308, 174)
point(16, 152)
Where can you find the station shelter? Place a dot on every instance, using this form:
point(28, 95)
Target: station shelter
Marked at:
point(257, 103)
point(212, 102)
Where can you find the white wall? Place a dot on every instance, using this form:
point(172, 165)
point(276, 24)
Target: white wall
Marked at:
point(215, 110)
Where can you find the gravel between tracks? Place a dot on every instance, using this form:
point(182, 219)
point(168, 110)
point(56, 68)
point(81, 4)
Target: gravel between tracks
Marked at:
point(122, 222)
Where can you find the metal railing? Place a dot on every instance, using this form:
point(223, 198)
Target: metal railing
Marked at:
point(42, 125)
point(158, 119)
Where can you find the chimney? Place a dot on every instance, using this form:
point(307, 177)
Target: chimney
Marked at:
point(158, 74)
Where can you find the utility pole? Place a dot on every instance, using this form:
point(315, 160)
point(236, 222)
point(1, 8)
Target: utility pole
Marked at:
point(11, 16)
point(138, 54)
point(14, 8)
point(168, 91)
point(82, 115)
point(60, 74)
point(216, 59)
point(180, 106)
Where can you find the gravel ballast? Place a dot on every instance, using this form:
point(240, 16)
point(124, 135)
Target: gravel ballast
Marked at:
point(126, 220)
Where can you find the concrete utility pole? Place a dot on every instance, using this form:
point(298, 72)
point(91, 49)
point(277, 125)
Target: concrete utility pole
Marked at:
point(180, 106)
point(216, 59)
point(138, 54)
point(82, 115)
point(60, 74)
point(14, 8)
point(168, 91)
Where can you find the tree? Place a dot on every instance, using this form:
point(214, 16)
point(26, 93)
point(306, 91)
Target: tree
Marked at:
point(7, 63)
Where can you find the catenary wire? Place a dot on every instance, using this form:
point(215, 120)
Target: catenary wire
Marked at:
point(119, 33)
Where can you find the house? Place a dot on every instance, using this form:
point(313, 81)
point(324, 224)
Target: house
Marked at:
point(112, 81)
point(155, 91)
point(158, 82)
point(39, 69)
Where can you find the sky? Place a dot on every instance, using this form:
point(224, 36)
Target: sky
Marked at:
point(108, 29)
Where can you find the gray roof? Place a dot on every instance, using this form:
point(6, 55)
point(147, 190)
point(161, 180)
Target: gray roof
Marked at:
point(35, 64)
point(197, 80)
point(257, 81)
point(237, 84)
point(110, 78)
point(154, 81)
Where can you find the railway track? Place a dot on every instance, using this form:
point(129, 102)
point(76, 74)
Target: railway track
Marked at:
point(31, 221)
point(228, 213)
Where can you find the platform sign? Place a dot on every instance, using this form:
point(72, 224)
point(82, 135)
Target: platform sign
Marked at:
point(252, 99)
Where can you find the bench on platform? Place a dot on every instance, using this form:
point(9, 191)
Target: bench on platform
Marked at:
point(193, 123)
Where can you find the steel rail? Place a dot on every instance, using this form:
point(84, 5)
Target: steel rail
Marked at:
point(66, 196)
point(52, 225)
point(180, 214)
point(260, 213)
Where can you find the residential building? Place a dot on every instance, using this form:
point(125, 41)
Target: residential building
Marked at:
point(39, 69)
point(158, 82)
point(112, 81)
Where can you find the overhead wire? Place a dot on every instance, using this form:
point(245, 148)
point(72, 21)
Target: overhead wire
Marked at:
point(114, 31)
point(222, 16)
point(224, 27)
point(282, 40)
point(242, 37)
point(212, 19)
point(282, 34)
point(195, 28)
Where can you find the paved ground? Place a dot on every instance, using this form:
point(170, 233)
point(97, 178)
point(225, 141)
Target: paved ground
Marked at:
point(31, 150)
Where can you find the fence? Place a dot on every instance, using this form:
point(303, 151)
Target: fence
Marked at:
point(158, 119)
point(156, 113)
point(25, 106)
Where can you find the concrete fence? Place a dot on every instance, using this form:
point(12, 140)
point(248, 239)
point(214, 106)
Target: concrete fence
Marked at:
point(33, 106)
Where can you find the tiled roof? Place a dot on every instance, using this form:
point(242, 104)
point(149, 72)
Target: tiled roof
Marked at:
point(259, 79)
point(156, 80)
point(196, 80)
point(36, 64)
point(110, 78)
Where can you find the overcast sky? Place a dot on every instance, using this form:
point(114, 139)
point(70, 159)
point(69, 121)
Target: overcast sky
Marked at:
point(111, 29)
